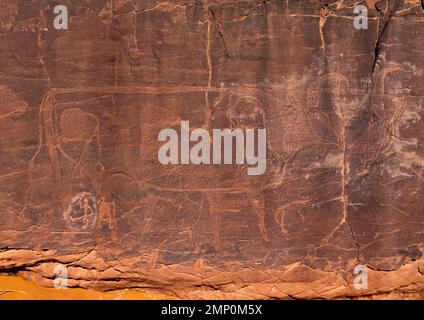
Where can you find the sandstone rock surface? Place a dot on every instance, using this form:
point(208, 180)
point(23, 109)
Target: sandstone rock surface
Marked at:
point(80, 113)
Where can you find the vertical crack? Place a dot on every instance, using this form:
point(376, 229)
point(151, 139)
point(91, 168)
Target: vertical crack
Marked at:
point(380, 35)
point(344, 180)
point(209, 61)
point(322, 20)
point(220, 33)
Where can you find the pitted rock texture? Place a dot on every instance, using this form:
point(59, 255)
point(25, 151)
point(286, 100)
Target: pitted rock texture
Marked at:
point(81, 110)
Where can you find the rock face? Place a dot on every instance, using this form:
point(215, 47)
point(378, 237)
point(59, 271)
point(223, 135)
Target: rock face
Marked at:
point(81, 110)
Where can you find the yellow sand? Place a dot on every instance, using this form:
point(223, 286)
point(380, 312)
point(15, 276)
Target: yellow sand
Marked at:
point(17, 288)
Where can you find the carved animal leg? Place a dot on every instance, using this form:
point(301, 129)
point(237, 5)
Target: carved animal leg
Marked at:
point(259, 206)
point(214, 202)
point(112, 222)
point(100, 218)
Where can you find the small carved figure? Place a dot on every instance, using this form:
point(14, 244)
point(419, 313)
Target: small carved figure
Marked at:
point(107, 212)
point(88, 210)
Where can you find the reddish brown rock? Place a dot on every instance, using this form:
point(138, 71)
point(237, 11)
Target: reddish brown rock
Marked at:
point(81, 110)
